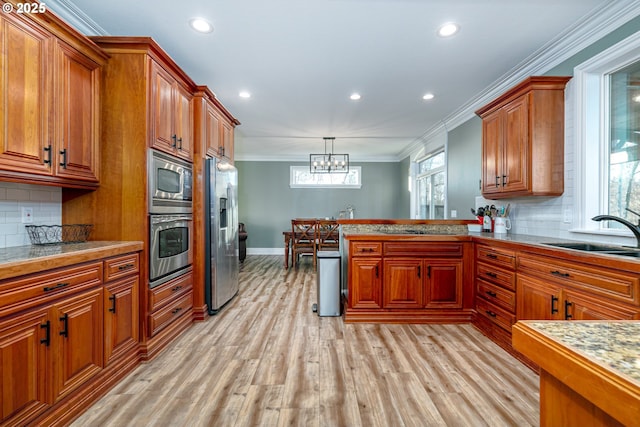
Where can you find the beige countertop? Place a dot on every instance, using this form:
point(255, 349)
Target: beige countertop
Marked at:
point(20, 260)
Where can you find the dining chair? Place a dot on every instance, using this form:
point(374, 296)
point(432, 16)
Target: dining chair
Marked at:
point(328, 235)
point(304, 239)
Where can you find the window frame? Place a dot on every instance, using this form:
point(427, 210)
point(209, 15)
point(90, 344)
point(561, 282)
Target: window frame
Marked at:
point(292, 175)
point(591, 118)
point(418, 175)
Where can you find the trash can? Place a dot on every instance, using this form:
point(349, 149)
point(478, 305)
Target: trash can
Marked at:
point(328, 280)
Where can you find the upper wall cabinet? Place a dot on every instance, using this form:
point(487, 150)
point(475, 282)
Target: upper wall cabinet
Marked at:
point(215, 126)
point(523, 140)
point(49, 102)
point(172, 114)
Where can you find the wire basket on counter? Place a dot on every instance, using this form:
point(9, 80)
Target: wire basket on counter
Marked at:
point(58, 234)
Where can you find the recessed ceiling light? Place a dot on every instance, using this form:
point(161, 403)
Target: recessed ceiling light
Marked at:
point(428, 96)
point(244, 94)
point(355, 96)
point(448, 29)
point(201, 25)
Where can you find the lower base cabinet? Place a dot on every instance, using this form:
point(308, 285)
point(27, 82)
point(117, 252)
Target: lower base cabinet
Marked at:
point(65, 337)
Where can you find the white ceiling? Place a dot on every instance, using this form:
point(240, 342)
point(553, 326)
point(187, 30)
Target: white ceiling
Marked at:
point(301, 59)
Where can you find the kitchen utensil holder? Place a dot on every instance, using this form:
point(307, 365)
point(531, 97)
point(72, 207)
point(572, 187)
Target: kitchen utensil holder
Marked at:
point(58, 234)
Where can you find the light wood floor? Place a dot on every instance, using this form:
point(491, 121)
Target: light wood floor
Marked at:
point(268, 360)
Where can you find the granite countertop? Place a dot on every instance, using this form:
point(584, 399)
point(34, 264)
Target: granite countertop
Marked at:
point(19, 260)
point(612, 344)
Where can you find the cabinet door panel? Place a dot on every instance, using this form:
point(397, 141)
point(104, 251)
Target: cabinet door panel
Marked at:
point(121, 317)
point(537, 300)
point(366, 280)
point(78, 99)
point(443, 285)
point(491, 142)
point(184, 118)
point(515, 169)
point(79, 333)
point(212, 132)
point(582, 307)
point(162, 135)
point(402, 284)
point(24, 365)
point(227, 140)
point(25, 100)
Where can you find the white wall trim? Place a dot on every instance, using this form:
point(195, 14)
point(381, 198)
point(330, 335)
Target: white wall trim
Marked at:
point(266, 251)
point(76, 17)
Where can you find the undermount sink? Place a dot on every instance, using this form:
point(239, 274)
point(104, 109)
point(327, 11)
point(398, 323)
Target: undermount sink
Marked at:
point(603, 249)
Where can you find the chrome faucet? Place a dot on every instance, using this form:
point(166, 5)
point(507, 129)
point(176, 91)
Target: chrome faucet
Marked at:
point(635, 229)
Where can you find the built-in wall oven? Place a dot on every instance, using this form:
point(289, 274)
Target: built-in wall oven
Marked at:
point(170, 249)
point(170, 217)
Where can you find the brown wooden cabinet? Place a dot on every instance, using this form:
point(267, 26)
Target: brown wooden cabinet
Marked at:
point(121, 318)
point(60, 345)
point(366, 279)
point(523, 140)
point(24, 365)
point(50, 119)
point(171, 129)
point(406, 281)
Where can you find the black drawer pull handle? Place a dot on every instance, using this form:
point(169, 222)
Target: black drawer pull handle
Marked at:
point(492, 256)
point(429, 271)
point(176, 288)
point(497, 181)
point(491, 294)
point(47, 152)
point(567, 315)
point(180, 141)
point(112, 309)
point(174, 139)
point(125, 267)
point(47, 339)
point(490, 313)
point(63, 163)
point(65, 331)
point(560, 274)
point(377, 272)
point(419, 272)
point(58, 286)
point(554, 307)
point(490, 274)
point(176, 310)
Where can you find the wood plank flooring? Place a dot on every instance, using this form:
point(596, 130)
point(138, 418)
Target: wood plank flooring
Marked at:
point(267, 360)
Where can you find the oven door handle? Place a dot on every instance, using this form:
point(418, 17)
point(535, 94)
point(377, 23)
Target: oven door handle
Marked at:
point(174, 219)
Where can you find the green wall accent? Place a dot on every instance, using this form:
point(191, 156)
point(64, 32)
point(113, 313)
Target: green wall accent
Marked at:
point(463, 166)
point(266, 204)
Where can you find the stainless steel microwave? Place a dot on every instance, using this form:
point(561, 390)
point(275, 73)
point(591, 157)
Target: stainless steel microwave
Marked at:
point(170, 184)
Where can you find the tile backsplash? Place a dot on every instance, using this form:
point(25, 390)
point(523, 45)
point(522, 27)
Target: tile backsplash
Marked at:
point(46, 203)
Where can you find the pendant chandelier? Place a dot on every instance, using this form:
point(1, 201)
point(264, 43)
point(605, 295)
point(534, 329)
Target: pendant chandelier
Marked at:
point(328, 162)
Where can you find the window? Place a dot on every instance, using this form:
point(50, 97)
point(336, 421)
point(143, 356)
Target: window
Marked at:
point(301, 177)
point(607, 119)
point(430, 187)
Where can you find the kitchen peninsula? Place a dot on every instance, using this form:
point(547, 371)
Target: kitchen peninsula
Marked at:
point(421, 271)
point(589, 371)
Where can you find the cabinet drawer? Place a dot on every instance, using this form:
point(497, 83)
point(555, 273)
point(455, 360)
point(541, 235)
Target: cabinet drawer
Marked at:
point(167, 292)
point(35, 289)
point(497, 295)
point(495, 314)
point(163, 317)
point(496, 275)
point(366, 249)
point(597, 280)
point(502, 257)
point(423, 249)
point(121, 266)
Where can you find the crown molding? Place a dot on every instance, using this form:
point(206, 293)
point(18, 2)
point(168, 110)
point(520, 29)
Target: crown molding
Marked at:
point(591, 28)
point(76, 17)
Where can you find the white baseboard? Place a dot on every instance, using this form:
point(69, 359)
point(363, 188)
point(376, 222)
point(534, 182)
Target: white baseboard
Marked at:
point(265, 251)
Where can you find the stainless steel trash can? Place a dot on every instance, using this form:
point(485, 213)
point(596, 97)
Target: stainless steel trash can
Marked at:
point(328, 280)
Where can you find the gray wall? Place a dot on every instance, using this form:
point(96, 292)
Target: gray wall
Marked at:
point(463, 167)
point(266, 203)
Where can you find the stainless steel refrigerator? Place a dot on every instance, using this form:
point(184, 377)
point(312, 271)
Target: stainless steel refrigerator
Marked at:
point(221, 229)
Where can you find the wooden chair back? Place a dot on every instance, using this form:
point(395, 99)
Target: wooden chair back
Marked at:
point(328, 235)
point(304, 236)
